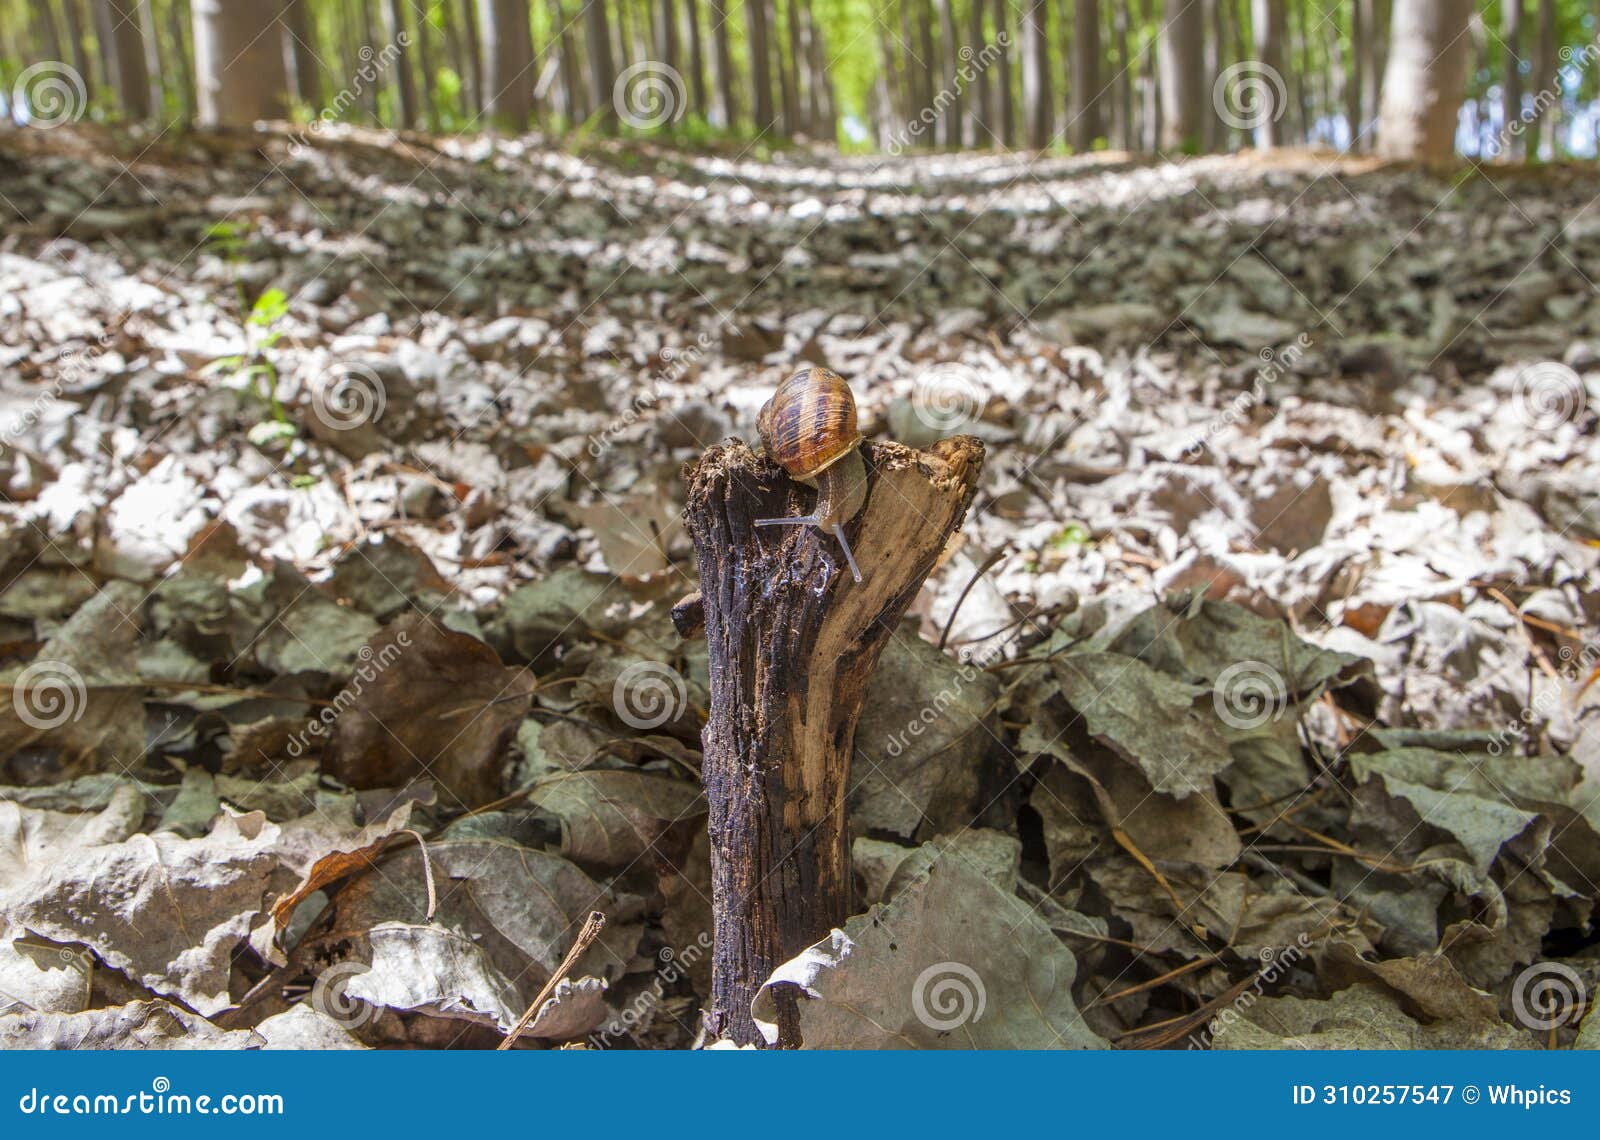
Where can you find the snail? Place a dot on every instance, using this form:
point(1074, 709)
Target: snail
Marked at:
point(809, 429)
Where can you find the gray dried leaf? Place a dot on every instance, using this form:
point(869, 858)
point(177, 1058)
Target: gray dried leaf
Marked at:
point(950, 962)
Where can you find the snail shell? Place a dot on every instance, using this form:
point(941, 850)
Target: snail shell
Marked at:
point(810, 422)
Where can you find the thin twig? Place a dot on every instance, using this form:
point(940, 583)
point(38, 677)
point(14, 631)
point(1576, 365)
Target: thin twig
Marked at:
point(971, 582)
point(592, 927)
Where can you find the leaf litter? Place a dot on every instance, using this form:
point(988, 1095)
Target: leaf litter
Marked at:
point(334, 710)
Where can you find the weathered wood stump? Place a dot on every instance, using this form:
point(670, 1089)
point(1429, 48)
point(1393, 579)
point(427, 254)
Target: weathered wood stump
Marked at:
point(792, 643)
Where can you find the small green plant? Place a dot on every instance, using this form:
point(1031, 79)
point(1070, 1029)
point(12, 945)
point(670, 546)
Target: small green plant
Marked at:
point(261, 319)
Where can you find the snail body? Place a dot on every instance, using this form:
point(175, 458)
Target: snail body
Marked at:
point(809, 429)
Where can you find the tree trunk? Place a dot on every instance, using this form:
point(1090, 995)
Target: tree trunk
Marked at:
point(697, 58)
point(472, 44)
point(1511, 77)
point(426, 71)
point(597, 37)
point(299, 55)
point(824, 116)
point(1181, 59)
point(980, 123)
point(123, 49)
point(760, 66)
point(1036, 107)
point(1425, 80)
point(508, 62)
point(42, 16)
point(792, 643)
point(666, 34)
point(1375, 20)
point(73, 17)
point(950, 118)
point(783, 62)
point(1005, 106)
point(1355, 75)
point(1122, 107)
point(575, 95)
point(1266, 21)
point(1087, 123)
point(238, 62)
point(1547, 98)
point(800, 120)
point(1214, 131)
point(722, 64)
point(394, 12)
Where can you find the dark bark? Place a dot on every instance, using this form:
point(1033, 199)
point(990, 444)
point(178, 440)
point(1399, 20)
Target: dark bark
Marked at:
point(405, 82)
point(1036, 108)
point(1087, 123)
point(760, 66)
point(508, 62)
point(792, 643)
point(1511, 78)
point(722, 64)
point(1005, 105)
point(696, 58)
point(238, 63)
point(299, 57)
point(1266, 21)
point(123, 50)
point(597, 36)
point(1184, 99)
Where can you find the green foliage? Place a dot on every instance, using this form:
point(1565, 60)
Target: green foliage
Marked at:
point(253, 367)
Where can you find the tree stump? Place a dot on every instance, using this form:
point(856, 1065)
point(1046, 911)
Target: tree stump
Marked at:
point(792, 642)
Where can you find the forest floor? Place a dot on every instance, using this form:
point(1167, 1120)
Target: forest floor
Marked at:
point(339, 483)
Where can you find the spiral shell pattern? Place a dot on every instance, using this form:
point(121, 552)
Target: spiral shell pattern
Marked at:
point(810, 422)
